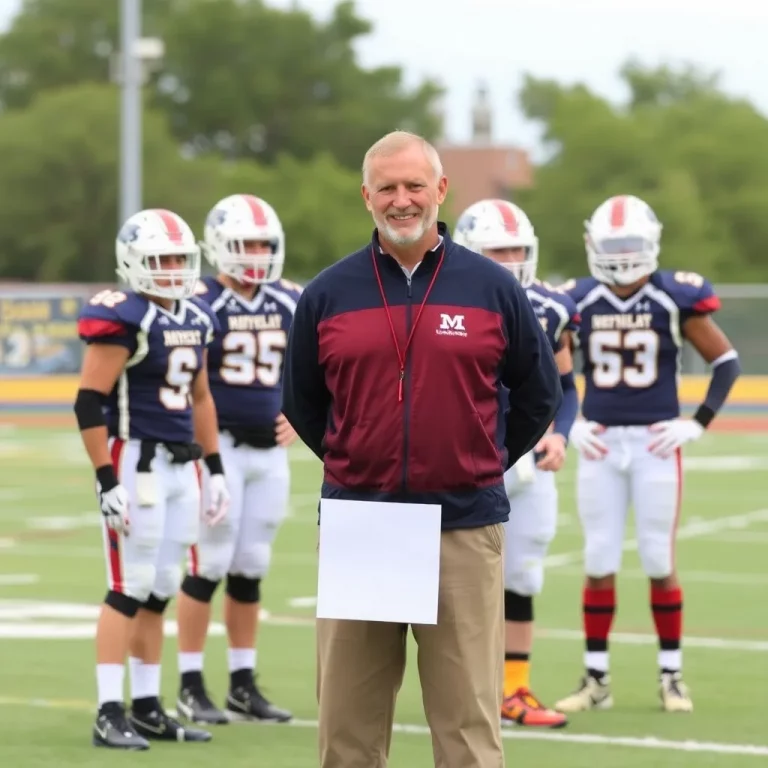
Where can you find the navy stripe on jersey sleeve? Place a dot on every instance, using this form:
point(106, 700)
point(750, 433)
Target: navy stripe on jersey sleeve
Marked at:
point(530, 373)
point(306, 399)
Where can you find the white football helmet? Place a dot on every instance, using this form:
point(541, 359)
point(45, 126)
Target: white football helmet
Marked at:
point(500, 224)
point(141, 243)
point(234, 221)
point(623, 240)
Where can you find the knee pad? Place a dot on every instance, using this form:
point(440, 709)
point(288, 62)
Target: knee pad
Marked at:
point(524, 574)
point(128, 606)
point(138, 579)
point(155, 604)
point(655, 556)
point(244, 590)
point(198, 588)
point(252, 560)
point(517, 607)
point(167, 581)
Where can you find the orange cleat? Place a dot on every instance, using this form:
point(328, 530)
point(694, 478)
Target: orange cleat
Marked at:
point(523, 708)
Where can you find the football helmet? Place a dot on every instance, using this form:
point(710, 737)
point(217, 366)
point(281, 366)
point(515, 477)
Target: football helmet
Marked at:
point(623, 240)
point(491, 224)
point(234, 221)
point(141, 243)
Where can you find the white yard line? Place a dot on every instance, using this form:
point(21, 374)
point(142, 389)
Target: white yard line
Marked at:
point(36, 620)
point(18, 579)
point(691, 530)
point(586, 739)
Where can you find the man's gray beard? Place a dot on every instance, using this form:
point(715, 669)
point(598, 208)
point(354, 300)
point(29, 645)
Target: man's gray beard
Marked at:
point(397, 238)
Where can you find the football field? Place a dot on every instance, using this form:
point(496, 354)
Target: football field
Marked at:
point(52, 578)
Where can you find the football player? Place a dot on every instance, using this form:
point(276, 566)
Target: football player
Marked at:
point(635, 319)
point(502, 231)
point(244, 241)
point(146, 416)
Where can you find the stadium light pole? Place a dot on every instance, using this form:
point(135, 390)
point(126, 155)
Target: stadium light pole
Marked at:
point(130, 110)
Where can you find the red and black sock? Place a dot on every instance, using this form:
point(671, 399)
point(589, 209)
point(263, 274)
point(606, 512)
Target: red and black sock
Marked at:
point(599, 608)
point(667, 609)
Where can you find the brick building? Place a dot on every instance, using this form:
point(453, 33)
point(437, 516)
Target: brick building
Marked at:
point(483, 169)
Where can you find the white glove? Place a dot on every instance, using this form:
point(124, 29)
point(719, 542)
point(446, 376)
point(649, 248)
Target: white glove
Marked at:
point(670, 435)
point(218, 504)
point(114, 507)
point(584, 438)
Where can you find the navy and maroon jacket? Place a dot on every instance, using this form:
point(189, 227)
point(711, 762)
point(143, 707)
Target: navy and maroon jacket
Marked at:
point(480, 383)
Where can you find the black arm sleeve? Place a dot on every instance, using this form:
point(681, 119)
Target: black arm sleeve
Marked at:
point(305, 397)
point(530, 373)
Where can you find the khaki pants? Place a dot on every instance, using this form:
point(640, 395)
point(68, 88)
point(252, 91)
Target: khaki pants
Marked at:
point(360, 666)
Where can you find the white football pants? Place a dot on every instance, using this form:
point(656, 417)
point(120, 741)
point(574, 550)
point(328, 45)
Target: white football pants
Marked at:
point(629, 474)
point(530, 528)
point(165, 520)
point(258, 480)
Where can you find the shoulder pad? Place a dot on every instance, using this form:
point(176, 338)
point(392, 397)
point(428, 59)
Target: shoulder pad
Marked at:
point(201, 288)
point(566, 301)
point(577, 288)
point(110, 314)
point(690, 291)
point(208, 289)
point(290, 287)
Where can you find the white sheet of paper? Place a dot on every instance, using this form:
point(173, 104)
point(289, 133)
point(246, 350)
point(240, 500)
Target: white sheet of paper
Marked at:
point(379, 561)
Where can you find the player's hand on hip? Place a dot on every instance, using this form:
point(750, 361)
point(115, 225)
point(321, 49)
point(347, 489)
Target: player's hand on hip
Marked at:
point(584, 437)
point(114, 507)
point(285, 434)
point(553, 448)
point(218, 503)
point(670, 435)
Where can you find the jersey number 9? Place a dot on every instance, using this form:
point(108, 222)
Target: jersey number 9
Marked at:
point(249, 357)
point(182, 367)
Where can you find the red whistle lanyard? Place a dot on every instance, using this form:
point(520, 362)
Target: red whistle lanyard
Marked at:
point(402, 356)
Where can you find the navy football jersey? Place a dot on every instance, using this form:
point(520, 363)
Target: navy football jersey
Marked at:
point(245, 363)
point(152, 398)
point(556, 311)
point(632, 347)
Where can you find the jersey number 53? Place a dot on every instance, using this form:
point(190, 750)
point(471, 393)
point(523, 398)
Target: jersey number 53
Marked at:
point(607, 353)
point(249, 357)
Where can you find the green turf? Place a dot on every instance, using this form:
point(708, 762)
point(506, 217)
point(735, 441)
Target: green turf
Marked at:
point(50, 531)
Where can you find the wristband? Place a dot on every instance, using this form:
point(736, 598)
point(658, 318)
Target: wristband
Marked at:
point(704, 415)
point(106, 478)
point(213, 462)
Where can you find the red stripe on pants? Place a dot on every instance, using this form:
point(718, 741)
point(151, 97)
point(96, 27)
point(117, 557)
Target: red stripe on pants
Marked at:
point(113, 537)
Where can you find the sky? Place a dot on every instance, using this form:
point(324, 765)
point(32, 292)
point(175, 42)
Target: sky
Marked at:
point(497, 41)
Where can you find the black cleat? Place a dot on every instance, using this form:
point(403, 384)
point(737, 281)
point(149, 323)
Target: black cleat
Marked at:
point(157, 724)
point(194, 704)
point(112, 729)
point(246, 702)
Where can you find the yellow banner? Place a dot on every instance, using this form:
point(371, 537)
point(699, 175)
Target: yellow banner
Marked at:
point(61, 390)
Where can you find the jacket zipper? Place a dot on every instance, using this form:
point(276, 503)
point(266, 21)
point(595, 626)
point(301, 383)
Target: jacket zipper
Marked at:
point(406, 388)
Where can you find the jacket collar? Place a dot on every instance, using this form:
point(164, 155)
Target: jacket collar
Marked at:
point(430, 256)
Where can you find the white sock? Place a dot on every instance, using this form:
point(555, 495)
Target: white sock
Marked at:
point(145, 679)
point(241, 658)
point(190, 662)
point(597, 660)
point(109, 682)
point(672, 660)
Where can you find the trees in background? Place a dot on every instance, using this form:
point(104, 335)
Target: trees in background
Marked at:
point(248, 99)
point(698, 156)
point(273, 102)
